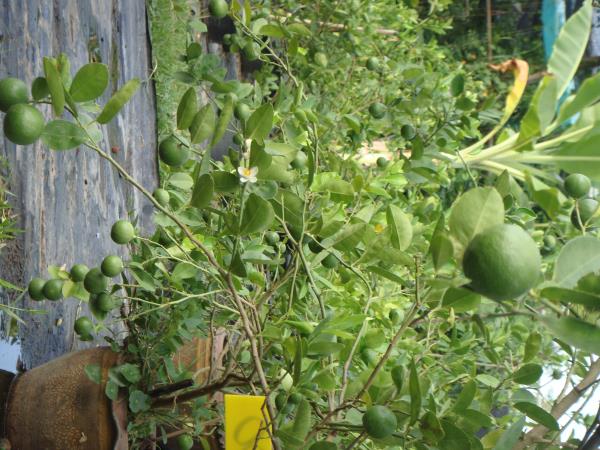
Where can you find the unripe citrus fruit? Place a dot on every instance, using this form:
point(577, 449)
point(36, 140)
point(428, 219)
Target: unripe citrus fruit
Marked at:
point(162, 196)
point(321, 59)
point(242, 111)
point(395, 316)
point(373, 64)
point(53, 289)
point(36, 289)
point(503, 262)
point(586, 207)
point(218, 8)
point(185, 442)
point(377, 110)
point(112, 266)
point(314, 246)
point(300, 114)
point(369, 356)
point(104, 302)
point(379, 422)
point(12, 92)
point(238, 139)
point(251, 51)
point(83, 326)
point(122, 232)
point(577, 185)
point(78, 272)
point(299, 161)
point(549, 242)
point(345, 275)
point(330, 261)
point(382, 162)
point(408, 132)
point(271, 237)
point(95, 281)
point(172, 153)
point(281, 400)
point(397, 374)
point(23, 124)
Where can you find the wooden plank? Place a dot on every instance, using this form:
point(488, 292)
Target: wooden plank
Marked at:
point(67, 201)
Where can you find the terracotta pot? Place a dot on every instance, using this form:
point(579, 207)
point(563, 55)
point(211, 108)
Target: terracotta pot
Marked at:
point(57, 407)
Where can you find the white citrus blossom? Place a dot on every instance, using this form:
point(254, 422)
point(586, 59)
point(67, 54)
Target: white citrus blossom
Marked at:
point(248, 174)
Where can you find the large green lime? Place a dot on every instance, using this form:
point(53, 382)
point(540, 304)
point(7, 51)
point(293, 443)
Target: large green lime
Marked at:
point(12, 92)
point(373, 64)
point(242, 112)
point(36, 289)
point(122, 232)
point(299, 161)
point(379, 422)
point(172, 153)
point(78, 272)
point(577, 185)
point(377, 110)
point(185, 442)
point(111, 266)
point(84, 326)
point(162, 196)
point(330, 261)
point(23, 124)
point(586, 208)
point(95, 281)
point(53, 289)
point(218, 8)
point(503, 262)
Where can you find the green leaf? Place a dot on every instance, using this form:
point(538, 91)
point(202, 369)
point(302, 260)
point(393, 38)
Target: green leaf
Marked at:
point(347, 238)
point(511, 436)
point(440, 248)
point(331, 182)
point(183, 271)
point(528, 374)
point(138, 401)
point(532, 346)
point(39, 89)
point(540, 112)
point(225, 181)
point(203, 124)
point(466, 396)
point(94, 372)
point(63, 135)
point(202, 194)
point(55, 86)
point(577, 258)
point(260, 123)
point(488, 380)
point(460, 299)
point(575, 332)
point(587, 94)
point(580, 156)
point(537, 414)
point(111, 390)
point(454, 438)
point(224, 119)
point(258, 215)
point(570, 47)
point(118, 100)
point(187, 109)
point(237, 266)
point(399, 227)
point(591, 300)
point(130, 372)
point(303, 420)
point(414, 389)
point(473, 212)
point(89, 83)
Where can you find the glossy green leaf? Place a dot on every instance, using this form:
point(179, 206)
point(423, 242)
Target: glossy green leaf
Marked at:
point(399, 226)
point(532, 346)
point(577, 258)
point(138, 401)
point(588, 299)
point(203, 124)
point(461, 300)
point(39, 89)
point(202, 194)
point(466, 396)
point(511, 436)
point(225, 181)
point(414, 389)
point(94, 372)
point(224, 118)
point(575, 332)
point(540, 112)
point(579, 156)
point(118, 100)
point(538, 414)
point(528, 374)
point(454, 438)
point(587, 94)
point(89, 83)
point(260, 123)
point(187, 109)
point(440, 248)
point(63, 135)
point(258, 215)
point(55, 86)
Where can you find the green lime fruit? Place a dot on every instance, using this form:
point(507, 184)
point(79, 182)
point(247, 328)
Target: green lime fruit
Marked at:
point(12, 92)
point(281, 400)
point(557, 374)
point(23, 124)
point(83, 326)
point(589, 283)
point(218, 8)
point(295, 398)
point(345, 275)
point(78, 272)
point(104, 302)
point(377, 110)
point(577, 185)
point(369, 356)
point(36, 289)
point(408, 132)
point(251, 51)
point(324, 445)
point(299, 161)
point(502, 262)
point(395, 316)
point(95, 281)
point(373, 64)
point(330, 261)
point(549, 242)
point(185, 442)
point(122, 232)
point(242, 112)
point(172, 153)
point(238, 139)
point(587, 208)
point(53, 289)
point(379, 422)
point(162, 196)
point(111, 266)
point(272, 238)
point(314, 246)
point(382, 162)
point(320, 59)
point(397, 374)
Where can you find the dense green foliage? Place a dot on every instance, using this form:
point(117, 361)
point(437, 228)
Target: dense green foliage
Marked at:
point(327, 246)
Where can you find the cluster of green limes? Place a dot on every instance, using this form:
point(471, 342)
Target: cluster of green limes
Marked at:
point(95, 281)
point(23, 123)
point(330, 261)
point(577, 186)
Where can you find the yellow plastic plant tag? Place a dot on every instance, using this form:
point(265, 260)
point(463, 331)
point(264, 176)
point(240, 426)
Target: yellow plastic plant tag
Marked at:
point(246, 421)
